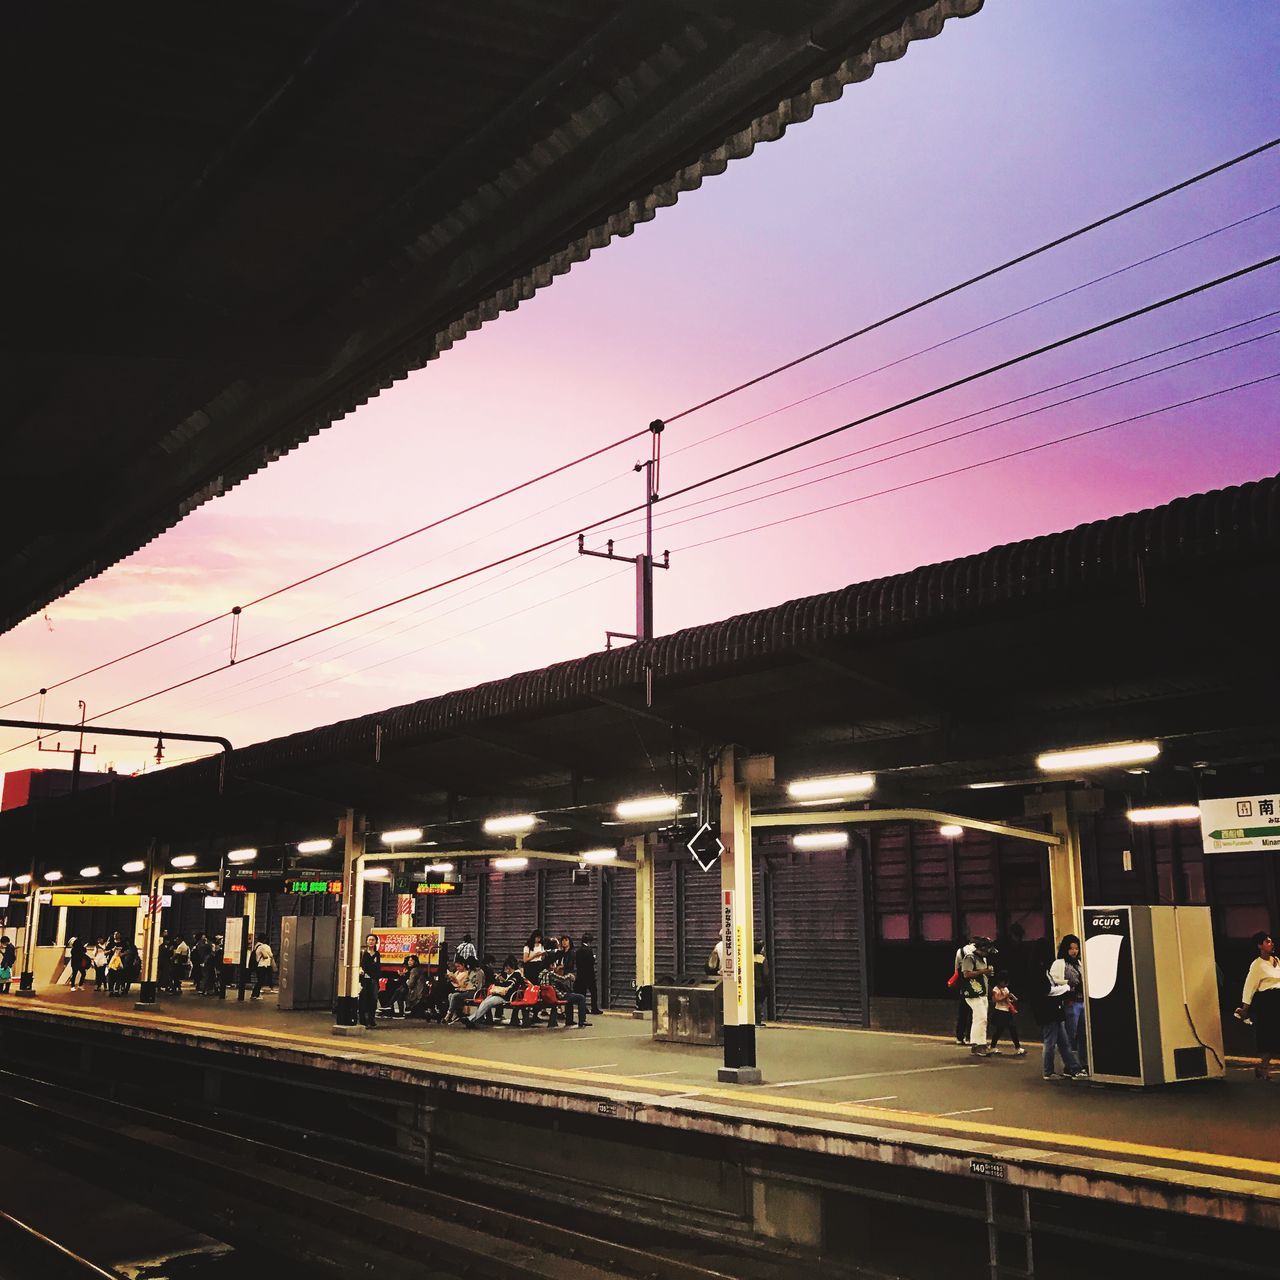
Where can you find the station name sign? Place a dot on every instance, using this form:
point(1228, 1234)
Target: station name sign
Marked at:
point(1241, 824)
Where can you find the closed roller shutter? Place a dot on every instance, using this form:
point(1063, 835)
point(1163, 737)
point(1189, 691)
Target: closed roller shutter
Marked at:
point(701, 932)
point(571, 908)
point(458, 913)
point(666, 913)
point(818, 948)
point(618, 957)
point(510, 912)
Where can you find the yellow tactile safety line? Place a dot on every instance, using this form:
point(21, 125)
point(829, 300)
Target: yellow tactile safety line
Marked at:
point(917, 1119)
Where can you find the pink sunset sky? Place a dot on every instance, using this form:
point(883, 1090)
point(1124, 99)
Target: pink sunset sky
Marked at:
point(1011, 127)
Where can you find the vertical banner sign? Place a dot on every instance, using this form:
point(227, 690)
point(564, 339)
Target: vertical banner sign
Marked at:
point(1111, 991)
point(232, 939)
point(729, 971)
point(404, 905)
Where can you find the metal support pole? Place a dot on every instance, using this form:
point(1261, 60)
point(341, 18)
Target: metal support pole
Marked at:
point(737, 915)
point(26, 980)
point(346, 1006)
point(157, 857)
point(644, 915)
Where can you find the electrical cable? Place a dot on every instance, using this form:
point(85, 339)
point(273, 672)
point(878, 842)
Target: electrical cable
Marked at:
point(985, 462)
point(1000, 366)
point(919, 305)
point(981, 276)
point(990, 408)
point(979, 328)
point(931, 444)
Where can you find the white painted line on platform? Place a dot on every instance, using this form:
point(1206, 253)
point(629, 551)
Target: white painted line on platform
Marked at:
point(601, 1067)
point(868, 1075)
point(669, 1097)
point(649, 1075)
point(972, 1111)
point(887, 1097)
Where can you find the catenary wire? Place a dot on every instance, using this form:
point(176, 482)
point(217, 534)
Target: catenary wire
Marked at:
point(984, 462)
point(979, 328)
point(1000, 366)
point(948, 292)
point(919, 305)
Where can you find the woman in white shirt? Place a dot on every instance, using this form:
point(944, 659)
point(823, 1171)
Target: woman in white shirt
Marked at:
point(1261, 1002)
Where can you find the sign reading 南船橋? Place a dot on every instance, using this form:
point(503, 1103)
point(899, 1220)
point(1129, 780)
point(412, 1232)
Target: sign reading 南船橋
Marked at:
point(1242, 824)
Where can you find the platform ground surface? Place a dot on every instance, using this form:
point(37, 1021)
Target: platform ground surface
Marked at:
point(813, 1075)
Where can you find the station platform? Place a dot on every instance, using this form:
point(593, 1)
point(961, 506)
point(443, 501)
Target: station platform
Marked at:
point(912, 1092)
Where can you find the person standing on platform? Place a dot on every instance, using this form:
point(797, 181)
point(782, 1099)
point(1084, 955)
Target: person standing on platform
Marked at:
point(1049, 1008)
point(8, 958)
point(213, 978)
point(199, 958)
point(1004, 1015)
point(975, 978)
point(261, 961)
point(98, 957)
point(1260, 1003)
point(1073, 1006)
point(964, 1019)
point(584, 972)
point(370, 973)
point(761, 968)
point(181, 964)
point(534, 958)
point(466, 951)
point(79, 959)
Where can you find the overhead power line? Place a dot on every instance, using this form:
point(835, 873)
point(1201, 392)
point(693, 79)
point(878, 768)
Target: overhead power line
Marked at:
point(984, 462)
point(990, 370)
point(791, 364)
point(979, 278)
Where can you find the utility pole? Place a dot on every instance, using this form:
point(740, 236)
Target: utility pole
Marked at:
point(77, 753)
point(645, 563)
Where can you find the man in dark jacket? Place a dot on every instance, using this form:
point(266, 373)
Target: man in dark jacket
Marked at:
point(584, 972)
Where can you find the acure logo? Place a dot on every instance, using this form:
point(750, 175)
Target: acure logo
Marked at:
point(1106, 922)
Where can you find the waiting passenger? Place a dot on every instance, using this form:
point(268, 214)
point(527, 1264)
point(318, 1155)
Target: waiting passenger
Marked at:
point(212, 981)
point(370, 972)
point(98, 957)
point(975, 978)
point(79, 963)
point(556, 977)
point(1004, 1016)
point(1260, 1002)
point(200, 953)
point(181, 965)
point(7, 956)
point(466, 950)
point(1049, 1007)
point(584, 972)
point(535, 956)
point(501, 993)
point(261, 961)
point(1069, 972)
point(464, 979)
point(415, 988)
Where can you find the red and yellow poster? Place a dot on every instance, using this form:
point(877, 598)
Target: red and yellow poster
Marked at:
point(395, 946)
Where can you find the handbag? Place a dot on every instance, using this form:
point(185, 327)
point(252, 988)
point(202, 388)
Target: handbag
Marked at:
point(955, 977)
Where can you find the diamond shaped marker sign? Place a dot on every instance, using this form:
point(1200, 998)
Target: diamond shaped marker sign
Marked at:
point(706, 847)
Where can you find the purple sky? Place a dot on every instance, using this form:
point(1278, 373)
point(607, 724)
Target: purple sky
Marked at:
point(1012, 126)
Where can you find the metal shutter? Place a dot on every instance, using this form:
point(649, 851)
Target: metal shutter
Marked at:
point(818, 951)
point(571, 908)
point(458, 913)
point(511, 912)
point(701, 904)
point(666, 909)
point(616, 960)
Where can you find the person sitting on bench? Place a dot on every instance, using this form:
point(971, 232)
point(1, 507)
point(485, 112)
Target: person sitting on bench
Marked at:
point(505, 989)
point(562, 984)
point(464, 977)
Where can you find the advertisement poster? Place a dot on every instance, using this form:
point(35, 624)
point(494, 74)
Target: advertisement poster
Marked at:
point(396, 945)
point(1110, 989)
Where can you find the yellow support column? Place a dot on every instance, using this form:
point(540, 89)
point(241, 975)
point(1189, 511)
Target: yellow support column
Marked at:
point(644, 915)
point(737, 915)
point(1066, 875)
point(346, 1006)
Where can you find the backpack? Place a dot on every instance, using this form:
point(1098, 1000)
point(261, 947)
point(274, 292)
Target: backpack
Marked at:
point(1047, 1009)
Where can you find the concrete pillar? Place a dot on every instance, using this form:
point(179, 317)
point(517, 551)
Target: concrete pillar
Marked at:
point(644, 914)
point(737, 913)
point(60, 937)
point(346, 1006)
point(786, 1211)
point(26, 980)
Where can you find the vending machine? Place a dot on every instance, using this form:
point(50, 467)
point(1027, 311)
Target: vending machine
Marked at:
point(1151, 995)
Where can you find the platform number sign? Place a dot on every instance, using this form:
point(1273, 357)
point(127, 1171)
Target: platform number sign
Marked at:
point(706, 846)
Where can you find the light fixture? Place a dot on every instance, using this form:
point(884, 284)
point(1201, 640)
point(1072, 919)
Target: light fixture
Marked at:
point(23, 879)
point(600, 855)
point(90, 872)
point(52, 876)
point(114, 892)
point(402, 835)
point(179, 886)
point(211, 885)
point(183, 860)
point(1165, 813)
point(836, 787)
point(133, 888)
point(316, 846)
point(239, 855)
point(376, 873)
point(649, 807)
point(131, 868)
point(440, 867)
point(4, 882)
point(1110, 753)
point(808, 841)
point(511, 824)
point(431, 844)
point(987, 786)
point(951, 830)
point(510, 864)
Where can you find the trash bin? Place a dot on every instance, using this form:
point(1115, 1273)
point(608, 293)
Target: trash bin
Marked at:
point(689, 1014)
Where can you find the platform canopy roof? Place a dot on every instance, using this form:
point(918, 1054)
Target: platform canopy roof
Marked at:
point(231, 225)
point(1158, 624)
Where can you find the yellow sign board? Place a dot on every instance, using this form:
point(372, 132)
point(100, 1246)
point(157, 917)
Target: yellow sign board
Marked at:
point(130, 900)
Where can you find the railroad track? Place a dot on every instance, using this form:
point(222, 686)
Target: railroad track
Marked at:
point(28, 1252)
point(324, 1215)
